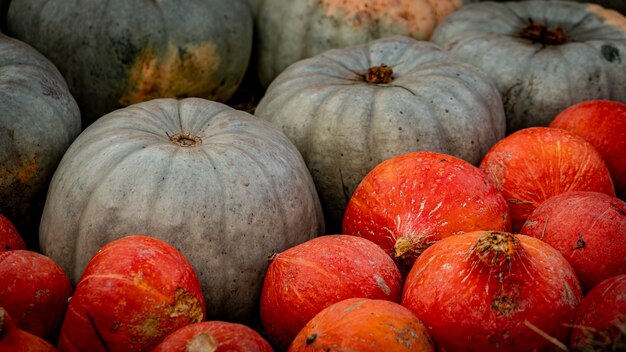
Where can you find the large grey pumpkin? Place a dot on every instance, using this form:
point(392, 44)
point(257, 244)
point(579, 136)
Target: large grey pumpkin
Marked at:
point(291, 30)
point(120, 52)
point(38, 120)
point(543, 55)
point(347, 112)
point(225, 188)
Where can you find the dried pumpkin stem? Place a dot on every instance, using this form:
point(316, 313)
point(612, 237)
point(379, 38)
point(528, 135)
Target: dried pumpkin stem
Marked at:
point(495, 247)
point(186, 140)
point(379, 74)
point(540, 33)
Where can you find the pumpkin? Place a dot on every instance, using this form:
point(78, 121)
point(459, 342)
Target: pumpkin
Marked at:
point(365, 325)
point(533, 164)
point(603, 124)
point(14, 339)
point(214, 336)
point(409, 202)
point(38, 120)
point(588, 228)
point(543, 56)
point(600, 323)
point(618, 5)
point(135, 291)
point(309, 277)
point(288, 31)
point(349, 109)
point(10, 239)
point(116, 54)
point(491, 291)
point(34, 291)
point(225, 188)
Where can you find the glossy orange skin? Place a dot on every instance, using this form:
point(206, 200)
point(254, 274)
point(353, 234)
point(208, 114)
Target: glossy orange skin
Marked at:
point(10, 239)
point(34, 290)
point(128, 297)
point(223, 336)
point(425, 196)
point(14, 339)
point(360, 324)
point(470, 304)
point(536, 163)
point(309, 277)
point(602, 309)
point(588, 228)
point(603, 124)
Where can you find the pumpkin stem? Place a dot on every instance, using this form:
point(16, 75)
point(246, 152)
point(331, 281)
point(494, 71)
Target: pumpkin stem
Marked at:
point(496, 247)
point(186, 140)
point(378, 74)
point(540, 33)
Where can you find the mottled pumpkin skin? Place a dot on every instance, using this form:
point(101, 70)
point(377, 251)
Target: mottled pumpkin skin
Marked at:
point(290, 30)
point(536, 80)
point(227, 202)
point(344, 126)
point(38, 120)
point(116, 53)
point(618, 5)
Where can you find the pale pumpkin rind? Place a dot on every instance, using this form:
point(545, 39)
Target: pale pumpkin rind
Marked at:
point(231, 192)
point(38, 120)
point(538, 80)
point(117, 53)
point(344, 126)
point(290, 30)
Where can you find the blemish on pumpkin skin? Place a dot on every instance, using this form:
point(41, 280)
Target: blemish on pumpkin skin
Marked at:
point(177, 72)
point(418, 17)
point(24, 173)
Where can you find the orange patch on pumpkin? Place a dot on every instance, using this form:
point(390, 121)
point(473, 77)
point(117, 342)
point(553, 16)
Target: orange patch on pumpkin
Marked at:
point(419, 17)
point(177, 72)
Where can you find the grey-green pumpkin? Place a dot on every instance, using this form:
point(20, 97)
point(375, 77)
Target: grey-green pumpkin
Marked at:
point(116, 53)
point(38, 120)
point(291, 30)
point(224, 187)
point(543, 55)
point(349, 109)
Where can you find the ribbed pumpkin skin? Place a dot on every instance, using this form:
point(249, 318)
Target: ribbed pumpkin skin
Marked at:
point(292, 30)
point(618, 5)
point(344, 126)
point(38, 121)
point(538, 81)
point(116, 53)
point(226, 203)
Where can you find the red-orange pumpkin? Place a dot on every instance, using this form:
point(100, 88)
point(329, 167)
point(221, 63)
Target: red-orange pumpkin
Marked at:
point(409, 202)
point(14, 339)
point(34, 290)
point(134, 292)
point(588, 228)
point(536, 163)
point(307, 278)
point(603, 124)
point(10, 238)
point(214, 336)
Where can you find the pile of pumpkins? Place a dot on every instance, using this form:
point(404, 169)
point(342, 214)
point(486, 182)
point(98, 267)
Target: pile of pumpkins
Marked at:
point(168, 156)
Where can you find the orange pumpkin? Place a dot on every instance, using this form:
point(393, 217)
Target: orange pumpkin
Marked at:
point(360, 324)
